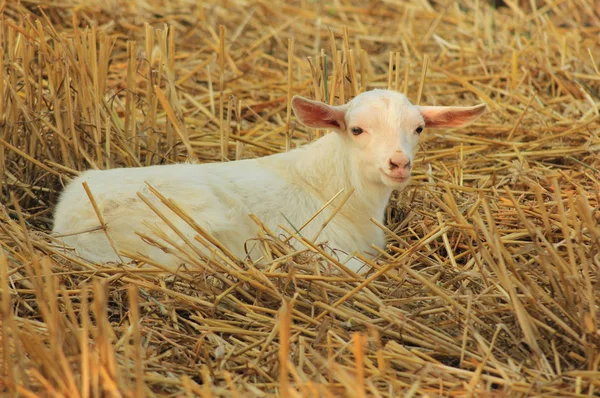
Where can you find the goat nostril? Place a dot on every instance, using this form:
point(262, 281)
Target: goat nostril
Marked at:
point(394, 166)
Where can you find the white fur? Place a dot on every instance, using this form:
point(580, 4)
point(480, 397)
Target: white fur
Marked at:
point(296, 184)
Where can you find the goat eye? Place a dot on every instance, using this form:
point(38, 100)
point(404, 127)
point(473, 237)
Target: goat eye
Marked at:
point(356, 130)
point(419, 130)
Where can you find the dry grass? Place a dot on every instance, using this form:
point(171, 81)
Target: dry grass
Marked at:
point(490, 284)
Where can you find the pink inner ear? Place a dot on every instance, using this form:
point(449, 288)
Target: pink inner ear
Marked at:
point(450, 116)
point(318, 115)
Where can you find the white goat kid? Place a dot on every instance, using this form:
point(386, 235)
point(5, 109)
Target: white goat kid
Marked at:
point(371, 151)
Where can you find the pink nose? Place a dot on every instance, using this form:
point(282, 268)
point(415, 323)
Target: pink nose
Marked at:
point(400, 165)
point(399, 162)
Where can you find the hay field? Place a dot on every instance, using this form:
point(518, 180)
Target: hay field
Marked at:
point(489, 286)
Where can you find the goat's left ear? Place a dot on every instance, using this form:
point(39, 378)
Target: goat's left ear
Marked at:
point(450, 116)
point(319, 115)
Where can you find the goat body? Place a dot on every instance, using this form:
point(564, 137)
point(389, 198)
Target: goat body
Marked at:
point(371, 149)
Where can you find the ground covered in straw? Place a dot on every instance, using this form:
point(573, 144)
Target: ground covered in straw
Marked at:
point(489, 286)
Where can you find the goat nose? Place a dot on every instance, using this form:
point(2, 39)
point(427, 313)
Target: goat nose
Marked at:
point(403, 163)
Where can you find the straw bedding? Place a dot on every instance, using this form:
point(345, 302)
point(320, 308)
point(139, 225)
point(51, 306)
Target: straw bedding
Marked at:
point(489, 286)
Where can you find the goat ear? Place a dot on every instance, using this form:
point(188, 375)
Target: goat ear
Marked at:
point(319, 115)
point(450, 116)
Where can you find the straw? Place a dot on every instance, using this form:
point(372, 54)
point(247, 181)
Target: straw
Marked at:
point(488, 285)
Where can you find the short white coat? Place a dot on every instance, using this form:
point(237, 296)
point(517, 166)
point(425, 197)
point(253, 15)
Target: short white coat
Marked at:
point(369, 151)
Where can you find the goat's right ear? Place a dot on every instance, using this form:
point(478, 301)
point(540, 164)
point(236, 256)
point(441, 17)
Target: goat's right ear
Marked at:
point(319, 115)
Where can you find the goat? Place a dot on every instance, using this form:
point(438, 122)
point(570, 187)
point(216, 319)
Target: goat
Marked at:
point(370, 150)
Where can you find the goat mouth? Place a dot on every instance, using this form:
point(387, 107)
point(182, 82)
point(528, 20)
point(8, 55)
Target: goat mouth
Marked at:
point(397, 180)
